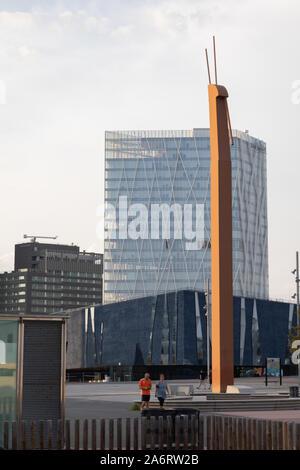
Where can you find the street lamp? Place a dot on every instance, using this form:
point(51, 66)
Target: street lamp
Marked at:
point(206, 308)
point(297, 280)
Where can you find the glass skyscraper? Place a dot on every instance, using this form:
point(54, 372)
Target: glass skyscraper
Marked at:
point(171, 169)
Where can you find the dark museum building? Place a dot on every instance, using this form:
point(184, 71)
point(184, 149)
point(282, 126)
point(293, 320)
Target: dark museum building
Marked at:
point(170, 330)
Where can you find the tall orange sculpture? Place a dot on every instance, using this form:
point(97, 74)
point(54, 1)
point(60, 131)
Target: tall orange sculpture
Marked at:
point(221, 237)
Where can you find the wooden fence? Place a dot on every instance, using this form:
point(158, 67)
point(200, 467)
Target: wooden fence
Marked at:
point(208, 432)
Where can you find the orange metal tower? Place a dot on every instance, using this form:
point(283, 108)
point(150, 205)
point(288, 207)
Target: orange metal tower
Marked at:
point(221, 236)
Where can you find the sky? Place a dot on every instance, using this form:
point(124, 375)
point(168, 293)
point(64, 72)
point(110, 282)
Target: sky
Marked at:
point(69, 70)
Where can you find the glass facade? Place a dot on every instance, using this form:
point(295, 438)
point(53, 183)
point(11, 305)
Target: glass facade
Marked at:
point(173, 168)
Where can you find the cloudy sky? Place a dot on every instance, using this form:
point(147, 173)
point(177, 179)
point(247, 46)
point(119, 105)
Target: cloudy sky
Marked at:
point(70, 69)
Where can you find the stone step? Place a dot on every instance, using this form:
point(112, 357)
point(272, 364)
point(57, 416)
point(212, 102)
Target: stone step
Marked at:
point(242, 396)
point(211, 406)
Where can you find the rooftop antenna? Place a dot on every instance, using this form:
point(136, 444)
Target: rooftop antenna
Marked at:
point(216, 82)
point(34, 237)
point(215, 60)
point(207, 63)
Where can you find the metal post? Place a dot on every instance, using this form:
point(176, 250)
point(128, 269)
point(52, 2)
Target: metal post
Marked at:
point(297, 284)
point(297, 311)
point(207, 334)
point(280, 372)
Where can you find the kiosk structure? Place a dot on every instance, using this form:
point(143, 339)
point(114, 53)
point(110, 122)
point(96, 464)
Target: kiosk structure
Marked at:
point(32, 368)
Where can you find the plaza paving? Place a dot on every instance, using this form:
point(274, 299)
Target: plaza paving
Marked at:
point(114, 400)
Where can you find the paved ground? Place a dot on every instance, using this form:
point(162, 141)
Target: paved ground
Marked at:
point(96, 409)
point(100, 400)
point(114, 400)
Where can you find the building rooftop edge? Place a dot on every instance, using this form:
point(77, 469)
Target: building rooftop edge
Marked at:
point(68, 311)
point(183, 133)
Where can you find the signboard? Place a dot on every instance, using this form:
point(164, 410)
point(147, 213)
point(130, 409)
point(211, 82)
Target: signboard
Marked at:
point(273, 366)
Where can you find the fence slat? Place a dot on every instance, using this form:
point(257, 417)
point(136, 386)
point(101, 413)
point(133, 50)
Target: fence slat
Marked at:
point(160, 432)
point(49, 434)
point(23, 436)
point(68, 435)
point(257, 435)
point(239, 432)
point(119, 434)
point(94, 434)
point(264, 434)
point(77, 434)
point(245, 434)
point(284, 436)
point(297, 431)
point(6, 435)
point(102, 434)
point(201, 432)
point(85, 434)
point(231, 434)
point(111, 434)
point(225, 432)
point(14, 435)
point(221, 432)
point(235, 432)
point(214, 437)
point(128, 433)
point(152, 432)
point(249, 433)
point(135, 434)
point(32, 435)
point(279, 435)
point(59, 444)
point(209, 424)
point(41, 435)
point(177, 432)
point(274, 435)
point(169, 432)
point(253, 433)
point(193, 432)
point(185, 432)
point(290, 428)
point(143, 432)
point(268, 435)
point(218, 432)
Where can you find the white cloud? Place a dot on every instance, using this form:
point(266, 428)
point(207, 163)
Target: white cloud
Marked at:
point(16, 20)
point(25, 51)
point(122, 31)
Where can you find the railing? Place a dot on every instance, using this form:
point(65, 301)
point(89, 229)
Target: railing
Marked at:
point(213, 432)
